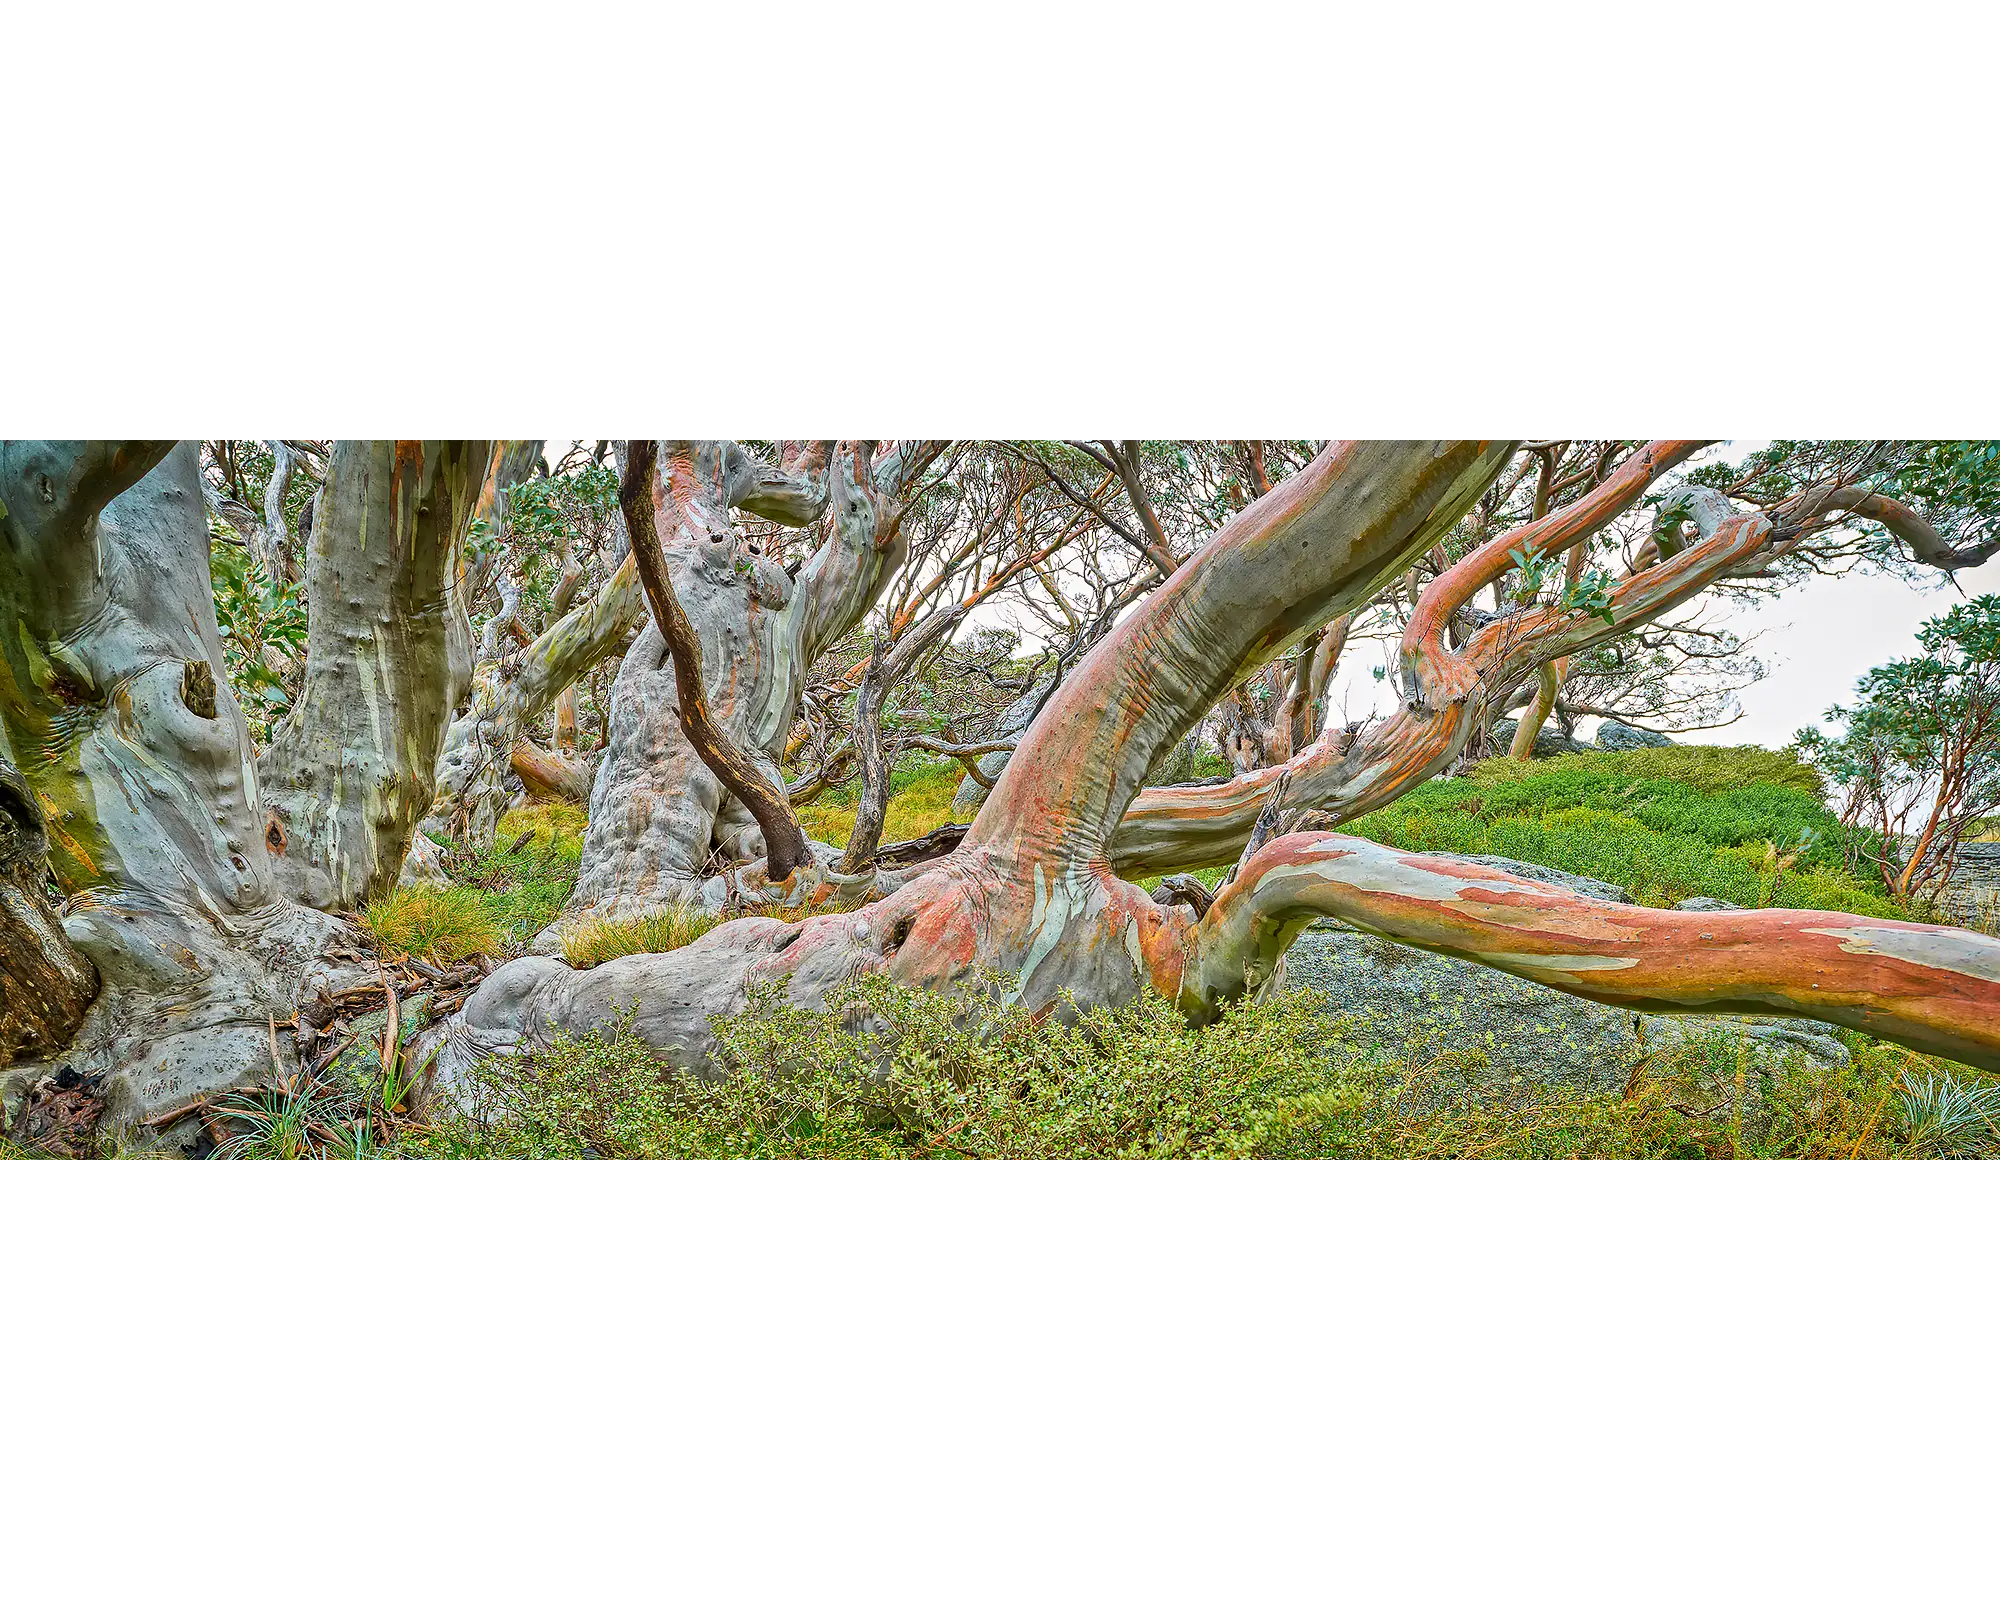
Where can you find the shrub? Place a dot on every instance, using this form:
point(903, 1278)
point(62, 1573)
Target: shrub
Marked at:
point(440, 926)
point(911, 1075)
point(889, 1073)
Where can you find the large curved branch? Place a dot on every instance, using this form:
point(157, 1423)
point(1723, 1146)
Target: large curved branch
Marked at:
point(1935, 989)
point(1925, 543)
point(1431, 674)
point(1181, 828)
point(1359, 513)
point(50, 489)
point(784, 840)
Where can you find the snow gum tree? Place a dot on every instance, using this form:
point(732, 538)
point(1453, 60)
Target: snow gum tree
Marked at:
point(1038, 892)
point(188, 935)
point(118, 714)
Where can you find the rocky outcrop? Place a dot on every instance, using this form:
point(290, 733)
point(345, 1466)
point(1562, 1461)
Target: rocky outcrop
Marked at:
point(1972, 893)
point(1506, 1030)
point(1622, 736)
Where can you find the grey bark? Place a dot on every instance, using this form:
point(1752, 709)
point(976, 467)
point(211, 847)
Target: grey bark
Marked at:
point(660, 822)
point(120, 717)
point(353, 767)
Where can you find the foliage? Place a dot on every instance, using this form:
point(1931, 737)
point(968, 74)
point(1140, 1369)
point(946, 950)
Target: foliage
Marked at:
point(1715, 1098)
point(1664, 824)
point(302, 1121)
point(913, 1075)
point(259, 621)
point(589, 943)
point(1944, 1115)
point(1919, 751)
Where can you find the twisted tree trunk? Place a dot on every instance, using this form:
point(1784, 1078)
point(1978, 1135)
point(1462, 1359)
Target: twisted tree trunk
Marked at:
point(662, 826)
point(120, 717)
point(1033, 893)
point(353, 767)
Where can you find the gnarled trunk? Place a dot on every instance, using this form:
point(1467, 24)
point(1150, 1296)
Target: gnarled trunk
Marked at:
point(353, 767)
point(120, 717)
point(45, 984)
point(1033, 894)
point(661, 825)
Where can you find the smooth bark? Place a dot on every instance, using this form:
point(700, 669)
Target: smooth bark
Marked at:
point(353, 767)
point(120, 717)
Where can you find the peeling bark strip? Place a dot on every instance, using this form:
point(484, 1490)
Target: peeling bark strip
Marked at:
point(1934, 989)
point(352, 768)
point(785, 848)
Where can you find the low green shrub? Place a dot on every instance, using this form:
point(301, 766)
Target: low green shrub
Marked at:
point(889, 1073)
point(911, 1075)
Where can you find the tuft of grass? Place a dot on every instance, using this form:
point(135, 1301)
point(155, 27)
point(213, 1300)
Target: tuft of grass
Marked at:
point(592, 942)
point(441, 926)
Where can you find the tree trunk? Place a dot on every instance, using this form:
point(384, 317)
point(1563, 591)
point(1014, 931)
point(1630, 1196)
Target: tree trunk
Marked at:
point(547, 775)
point(353, 767)
point(758, 791)
point(1032, 895)
point(45, 985)
point(658, 815)
point(510, 697)
point(1548, 684)
point(120, 717)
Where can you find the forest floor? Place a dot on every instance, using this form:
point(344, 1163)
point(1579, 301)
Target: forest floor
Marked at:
point(1281, 1078)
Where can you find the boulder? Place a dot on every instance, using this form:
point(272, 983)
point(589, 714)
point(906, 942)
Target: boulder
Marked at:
point(1549, 742)
point(1620, 736)
point(1506, 1030)
point(1971, 894)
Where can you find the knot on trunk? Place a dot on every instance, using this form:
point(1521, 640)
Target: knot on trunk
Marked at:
point(198, 688)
